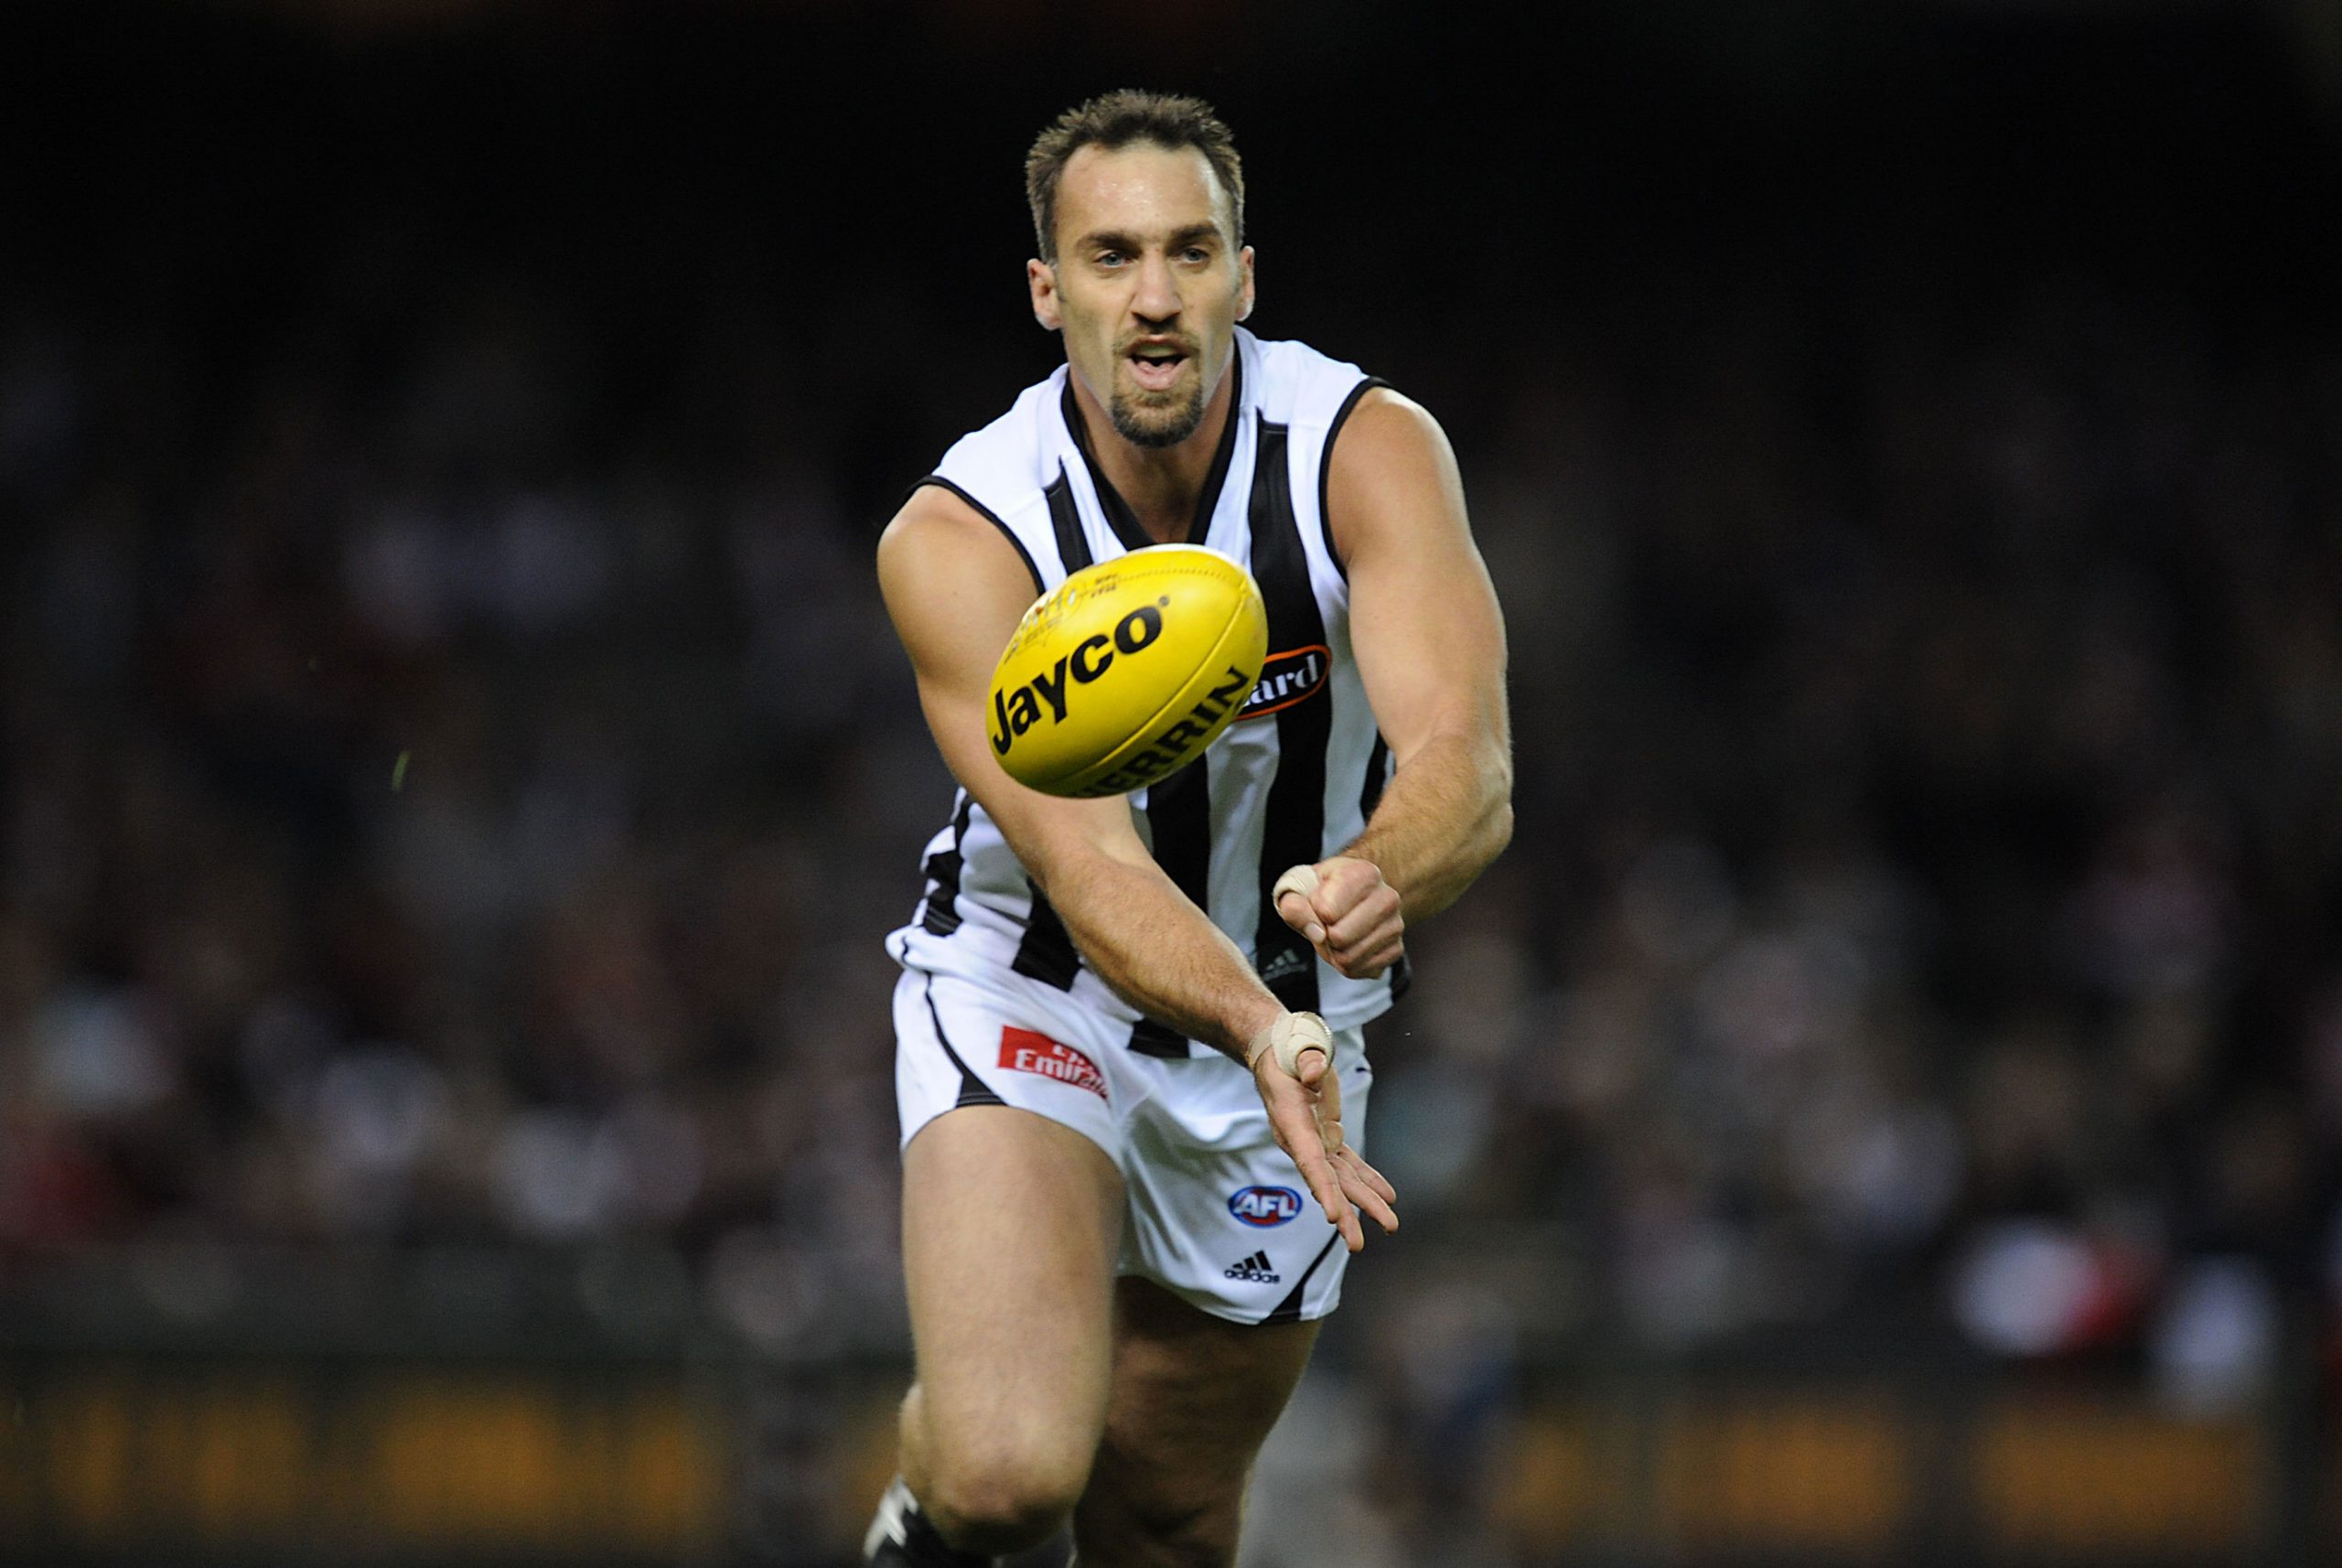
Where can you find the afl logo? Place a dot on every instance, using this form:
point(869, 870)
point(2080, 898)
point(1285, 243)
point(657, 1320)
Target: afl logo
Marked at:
point(1265, 1206)
point(1287, 678)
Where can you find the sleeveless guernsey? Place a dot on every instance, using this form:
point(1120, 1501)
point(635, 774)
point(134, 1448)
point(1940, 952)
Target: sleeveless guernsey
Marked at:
point(1291, 781)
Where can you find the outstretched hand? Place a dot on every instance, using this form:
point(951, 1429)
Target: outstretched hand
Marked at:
point(1348, 912)
point(1292, 1068)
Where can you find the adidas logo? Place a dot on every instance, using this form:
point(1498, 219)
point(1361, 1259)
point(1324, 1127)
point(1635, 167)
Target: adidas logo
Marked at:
point(1254, 1269)
point(1288, 961)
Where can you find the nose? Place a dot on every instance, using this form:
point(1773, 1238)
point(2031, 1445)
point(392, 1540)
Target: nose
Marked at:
point(1157, 298)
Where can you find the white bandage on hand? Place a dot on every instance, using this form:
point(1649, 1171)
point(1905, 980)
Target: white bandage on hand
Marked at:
point(1291, 1035)
point(1288, 1038)
point(1301, 879)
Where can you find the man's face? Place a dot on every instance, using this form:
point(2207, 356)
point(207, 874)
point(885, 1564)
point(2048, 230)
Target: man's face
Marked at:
point(1148, 285)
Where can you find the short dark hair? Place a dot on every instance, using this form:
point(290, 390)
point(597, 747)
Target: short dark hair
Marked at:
point(1113, 120)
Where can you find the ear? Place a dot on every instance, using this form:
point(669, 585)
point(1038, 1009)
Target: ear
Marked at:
point(1244, 298)
point(1041, 280)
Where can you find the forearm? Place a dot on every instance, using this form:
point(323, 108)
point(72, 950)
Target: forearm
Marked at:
point(1149, 942)
point(1444, 816)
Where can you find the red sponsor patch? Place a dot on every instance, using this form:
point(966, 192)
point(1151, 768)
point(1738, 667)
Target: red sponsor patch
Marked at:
point(1024, 1051)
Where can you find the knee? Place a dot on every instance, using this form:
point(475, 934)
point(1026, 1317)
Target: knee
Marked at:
point(1004, 1497)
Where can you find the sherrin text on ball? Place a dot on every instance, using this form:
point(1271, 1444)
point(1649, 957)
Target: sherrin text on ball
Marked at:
point(1127, 671)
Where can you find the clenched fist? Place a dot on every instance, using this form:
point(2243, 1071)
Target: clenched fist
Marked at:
point(1348, 912)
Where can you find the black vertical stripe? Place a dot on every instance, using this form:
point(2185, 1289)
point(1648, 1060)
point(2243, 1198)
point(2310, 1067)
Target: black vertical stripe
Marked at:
point(1065, 520)
point(1178, 820)
point(941, 915)
point(1289, 1309)
point(1047, 953)
point(973, 1090)
point(1294, 816)
point(1370, 795)
point(1149, 1039)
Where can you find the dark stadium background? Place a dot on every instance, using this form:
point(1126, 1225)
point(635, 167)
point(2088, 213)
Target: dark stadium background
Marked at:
point(455, 774)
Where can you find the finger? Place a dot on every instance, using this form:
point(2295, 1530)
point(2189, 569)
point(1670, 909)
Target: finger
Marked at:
point(1374, 1179)
point(1325, 1184)
point(1374, 918)
point(1292, 894)
point(1358, 1190)
point(1375, 946)
point(1366, 966)
point(1309, 1067)
point(1293, 1120)
point(1343, 1213)
point(1329, 1110)
point(1296, 912)
point(1343, 885)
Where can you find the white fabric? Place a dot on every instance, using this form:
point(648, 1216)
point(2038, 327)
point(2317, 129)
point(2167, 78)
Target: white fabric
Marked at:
point(1202, 1171)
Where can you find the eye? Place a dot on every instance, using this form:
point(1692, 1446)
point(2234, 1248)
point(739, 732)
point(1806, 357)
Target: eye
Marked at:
point(1198, 254)
point(1111, 258)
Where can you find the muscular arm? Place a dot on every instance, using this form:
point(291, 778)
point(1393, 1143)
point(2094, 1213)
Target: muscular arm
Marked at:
point(1430, 645)
point(956, 591)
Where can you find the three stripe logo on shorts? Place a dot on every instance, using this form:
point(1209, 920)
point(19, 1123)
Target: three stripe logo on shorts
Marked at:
point(1253, 1269)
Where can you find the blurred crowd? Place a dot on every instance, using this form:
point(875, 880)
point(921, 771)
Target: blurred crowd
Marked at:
point(466, 802)
point(457, 775)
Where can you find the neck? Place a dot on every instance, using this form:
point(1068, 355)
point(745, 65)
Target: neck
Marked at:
point(1162, 485)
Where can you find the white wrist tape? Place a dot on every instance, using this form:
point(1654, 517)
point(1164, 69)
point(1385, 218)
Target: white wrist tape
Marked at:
point(1291, 1035)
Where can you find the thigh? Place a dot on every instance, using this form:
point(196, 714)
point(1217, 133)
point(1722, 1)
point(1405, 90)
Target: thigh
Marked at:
point(1011, 1228)
point(1194, 1397)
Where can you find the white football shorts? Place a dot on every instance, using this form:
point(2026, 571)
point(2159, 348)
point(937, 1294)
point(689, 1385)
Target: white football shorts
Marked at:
point(1217, 1212)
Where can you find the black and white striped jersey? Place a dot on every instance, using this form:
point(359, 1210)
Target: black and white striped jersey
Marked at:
point(1291, 781)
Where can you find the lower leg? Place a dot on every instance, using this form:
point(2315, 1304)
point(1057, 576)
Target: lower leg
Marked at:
point(1193, 1398)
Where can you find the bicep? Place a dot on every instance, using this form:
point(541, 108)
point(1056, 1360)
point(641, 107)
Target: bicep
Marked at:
point(955, 590)
point(1424, 622)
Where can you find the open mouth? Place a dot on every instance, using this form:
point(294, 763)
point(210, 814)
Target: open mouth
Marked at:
point(1155, 366)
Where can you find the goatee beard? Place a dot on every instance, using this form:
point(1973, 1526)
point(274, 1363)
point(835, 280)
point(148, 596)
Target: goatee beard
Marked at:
point(1174, 427)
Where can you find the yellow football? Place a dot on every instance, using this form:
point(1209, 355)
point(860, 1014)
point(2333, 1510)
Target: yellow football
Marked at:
point(1127, 671)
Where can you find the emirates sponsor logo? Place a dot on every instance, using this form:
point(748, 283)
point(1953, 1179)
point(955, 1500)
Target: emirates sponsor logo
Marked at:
point(1022, 1051)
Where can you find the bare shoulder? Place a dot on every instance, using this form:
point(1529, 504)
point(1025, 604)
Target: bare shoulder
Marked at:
point(940, 552)
point(1392, 469)
point(1385, 419)
point(935, 522)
